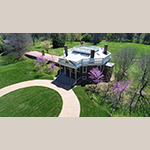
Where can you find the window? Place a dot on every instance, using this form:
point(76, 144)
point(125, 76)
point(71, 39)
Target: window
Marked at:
point(78, 70)
point(84, 77)
point(73, 70)
point(84, 69)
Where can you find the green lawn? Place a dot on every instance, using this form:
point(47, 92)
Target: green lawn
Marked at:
point(20, 71)
point(88, 107)
point(31, 102)
point(112, 47)
point(54, 51)
point(11, 73)
point(116, 46)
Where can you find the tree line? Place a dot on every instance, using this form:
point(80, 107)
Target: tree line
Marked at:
point(17, 43)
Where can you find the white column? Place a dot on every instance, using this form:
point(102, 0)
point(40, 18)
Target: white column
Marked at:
point(65, 69)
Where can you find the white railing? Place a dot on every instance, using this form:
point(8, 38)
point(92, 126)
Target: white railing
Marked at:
point(92, 61)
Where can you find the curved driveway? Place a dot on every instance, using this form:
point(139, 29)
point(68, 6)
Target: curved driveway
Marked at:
point(71, 105)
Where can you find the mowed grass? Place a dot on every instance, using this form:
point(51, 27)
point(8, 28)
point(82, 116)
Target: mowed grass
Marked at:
point(88, 107)
point(54, 51)
point(33, 101)
point(18, 72)
point(22, 71)
point(112, 47)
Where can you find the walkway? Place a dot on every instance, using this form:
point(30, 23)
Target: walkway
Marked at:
point(71, 105)
point(48, 57)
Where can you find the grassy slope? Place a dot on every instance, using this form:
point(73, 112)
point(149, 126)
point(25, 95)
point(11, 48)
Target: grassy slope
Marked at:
point(88, 107)
point(18, 72)
point(31, 102)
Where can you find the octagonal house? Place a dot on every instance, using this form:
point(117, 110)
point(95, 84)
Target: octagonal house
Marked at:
point(78, 61)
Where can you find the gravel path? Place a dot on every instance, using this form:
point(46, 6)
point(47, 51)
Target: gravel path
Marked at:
point(71, 105)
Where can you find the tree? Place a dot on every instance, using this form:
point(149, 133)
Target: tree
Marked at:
point(96, 75)
point(42, 67)
point(87, 37)
point(34, 36)
point(112, 37)
point(46, 45)
point(123, 61)
point(64, 36)
point(145, 37)
point(114, 95)
point(97, 37)
point(1, 45)
point(140, 103)
point(130, 36)
point(18, 43)
point(4, 36)
point(74, 36)
point(57, 41)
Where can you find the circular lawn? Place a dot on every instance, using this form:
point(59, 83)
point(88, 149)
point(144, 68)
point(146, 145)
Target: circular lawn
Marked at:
point(35, 101)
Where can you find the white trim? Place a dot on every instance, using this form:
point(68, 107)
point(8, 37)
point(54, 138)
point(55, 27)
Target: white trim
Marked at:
point(83, 69)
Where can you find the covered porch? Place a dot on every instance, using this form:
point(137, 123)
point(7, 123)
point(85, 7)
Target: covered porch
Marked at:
point(70, 72)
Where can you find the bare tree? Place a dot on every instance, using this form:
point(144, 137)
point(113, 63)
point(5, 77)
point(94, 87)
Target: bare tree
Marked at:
point(18, 43)
point(140, 102)
point(123, 61)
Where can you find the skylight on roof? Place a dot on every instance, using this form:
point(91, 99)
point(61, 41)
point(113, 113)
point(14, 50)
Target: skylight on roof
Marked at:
point(85, 49)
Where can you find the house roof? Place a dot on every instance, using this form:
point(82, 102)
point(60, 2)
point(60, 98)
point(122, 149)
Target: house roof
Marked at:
point(109, 64)
point(83, 52)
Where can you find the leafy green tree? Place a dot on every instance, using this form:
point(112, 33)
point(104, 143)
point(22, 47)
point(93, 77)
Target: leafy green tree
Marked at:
point(1, 45)
point(87, 37)
point(46, 45)
point(56, 40)
point(130, 36)
point(97, 37)
point(145, 37)
point(64, 36)
point(74, 36)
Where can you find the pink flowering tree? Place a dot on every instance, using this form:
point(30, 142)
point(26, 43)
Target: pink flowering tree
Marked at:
point(119, 88)
point(52, 66)
point(39, 65)
point(42, 67)
point(96, 76)
point(116, 94)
